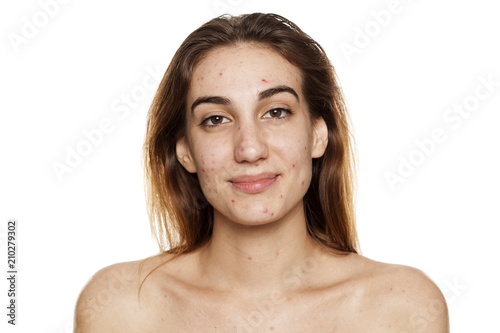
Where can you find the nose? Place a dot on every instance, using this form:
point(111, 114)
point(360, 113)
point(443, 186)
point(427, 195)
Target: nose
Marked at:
point(250, 143)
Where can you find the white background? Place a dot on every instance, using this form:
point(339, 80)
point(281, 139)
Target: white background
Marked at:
point(74, 71)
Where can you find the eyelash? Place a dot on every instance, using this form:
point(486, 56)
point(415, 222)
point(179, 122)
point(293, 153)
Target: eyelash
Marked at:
point(204, 122)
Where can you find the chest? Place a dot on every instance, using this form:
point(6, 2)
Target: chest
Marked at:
point(199, 312)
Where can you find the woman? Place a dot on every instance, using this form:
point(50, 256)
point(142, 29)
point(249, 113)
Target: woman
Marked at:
point(250, 184)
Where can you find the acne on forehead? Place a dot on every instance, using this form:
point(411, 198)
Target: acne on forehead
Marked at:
point(226, 51)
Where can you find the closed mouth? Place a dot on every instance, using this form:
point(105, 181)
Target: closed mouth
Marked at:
point(254, 184)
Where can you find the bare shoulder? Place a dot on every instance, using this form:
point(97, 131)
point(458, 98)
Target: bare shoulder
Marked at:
point(110, 297)
point(403, 298)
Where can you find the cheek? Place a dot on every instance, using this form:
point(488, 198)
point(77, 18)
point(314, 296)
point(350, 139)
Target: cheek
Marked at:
point(297, 155)
point(211, 166)
point(296, 151)
point(209, 155)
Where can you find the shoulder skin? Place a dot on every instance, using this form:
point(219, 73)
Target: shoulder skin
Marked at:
point(408, 301)
point(107, 302)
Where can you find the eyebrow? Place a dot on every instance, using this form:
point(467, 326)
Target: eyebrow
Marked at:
point(262, 95)
point(276, 90)
point(211, 100)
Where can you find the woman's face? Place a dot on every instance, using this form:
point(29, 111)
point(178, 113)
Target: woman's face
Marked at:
point(249, 136)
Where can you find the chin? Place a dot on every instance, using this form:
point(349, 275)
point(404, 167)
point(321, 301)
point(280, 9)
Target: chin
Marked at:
point(255, 223)
point(243, 219)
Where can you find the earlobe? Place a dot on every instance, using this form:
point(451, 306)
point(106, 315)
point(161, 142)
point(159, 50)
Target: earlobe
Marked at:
point(184, 155)
point(320, 138)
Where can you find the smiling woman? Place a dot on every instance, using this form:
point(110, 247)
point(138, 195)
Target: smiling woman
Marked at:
point(249, 165)
point(262, 141)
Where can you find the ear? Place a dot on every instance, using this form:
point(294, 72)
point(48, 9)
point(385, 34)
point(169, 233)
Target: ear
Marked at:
point(184, 155)
point(320, 137)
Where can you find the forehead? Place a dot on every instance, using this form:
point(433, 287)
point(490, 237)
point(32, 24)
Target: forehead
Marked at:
point(243, 67)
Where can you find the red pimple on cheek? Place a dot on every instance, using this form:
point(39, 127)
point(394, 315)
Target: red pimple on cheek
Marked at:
point(293, 165)
point(264, 80)
point(302, 182)
point(232, 200)
point(220, 74)
point(242, 149)
point(265, 210)
point(272, 214)
point(281, 196)
point(249, 258)
point(256, 164)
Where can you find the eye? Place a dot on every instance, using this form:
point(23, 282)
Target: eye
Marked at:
point(279, 113)
point(214, 121)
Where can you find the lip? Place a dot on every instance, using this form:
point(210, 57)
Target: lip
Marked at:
point(254, 183)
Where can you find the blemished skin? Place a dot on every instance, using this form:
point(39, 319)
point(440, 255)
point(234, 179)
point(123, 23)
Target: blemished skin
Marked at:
point(251, 142)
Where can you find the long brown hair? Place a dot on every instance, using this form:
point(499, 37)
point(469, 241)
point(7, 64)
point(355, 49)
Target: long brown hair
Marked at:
point(181, 218)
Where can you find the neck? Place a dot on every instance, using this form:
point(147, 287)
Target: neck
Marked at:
point(259, 259)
